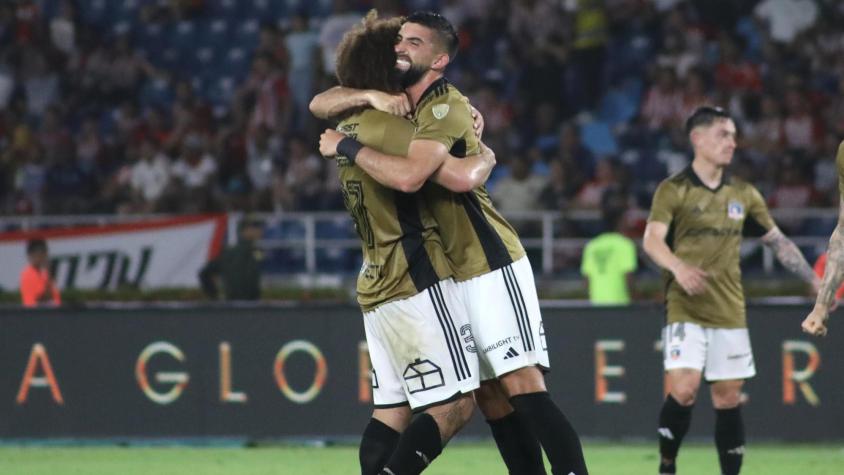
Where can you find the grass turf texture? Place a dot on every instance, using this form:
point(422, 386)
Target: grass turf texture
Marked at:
point(482, 458)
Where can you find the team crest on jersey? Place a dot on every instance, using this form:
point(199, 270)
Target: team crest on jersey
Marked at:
point(440, 111)
point(675, 353)
point(735, 210)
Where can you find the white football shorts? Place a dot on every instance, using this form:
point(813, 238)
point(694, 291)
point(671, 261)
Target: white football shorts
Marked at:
point(720, 353)
point(421, 349)
point(506, 322)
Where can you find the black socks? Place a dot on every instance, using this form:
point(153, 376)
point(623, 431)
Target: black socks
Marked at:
point(376, 446)
point(555, 433)
point(518, 446)
point(674, 421)
point(729, 439)
point(418, 446)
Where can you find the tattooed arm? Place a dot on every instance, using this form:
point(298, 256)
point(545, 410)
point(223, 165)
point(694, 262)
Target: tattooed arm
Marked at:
point(790, 256)
point(815, 323)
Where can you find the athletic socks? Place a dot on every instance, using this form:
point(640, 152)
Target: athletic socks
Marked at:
point(554, 432)
point(417, 447)
point(729, 439)
point(674, 421)
point(376, 446)
point(518, 446)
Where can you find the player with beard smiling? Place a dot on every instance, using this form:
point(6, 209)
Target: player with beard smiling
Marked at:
point(488, 261)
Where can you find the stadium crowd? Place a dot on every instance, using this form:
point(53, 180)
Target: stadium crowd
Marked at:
point(130, 106)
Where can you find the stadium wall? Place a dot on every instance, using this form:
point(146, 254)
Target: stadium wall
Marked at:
point(286, 371)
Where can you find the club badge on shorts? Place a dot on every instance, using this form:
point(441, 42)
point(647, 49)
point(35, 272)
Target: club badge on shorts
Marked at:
point(735, 210)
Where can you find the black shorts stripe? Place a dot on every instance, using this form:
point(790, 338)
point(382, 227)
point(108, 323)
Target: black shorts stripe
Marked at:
point(521, 300)
point(516, 308)
point(419, 264)
point(494, 249)
point(460, 351)
point(449, 339)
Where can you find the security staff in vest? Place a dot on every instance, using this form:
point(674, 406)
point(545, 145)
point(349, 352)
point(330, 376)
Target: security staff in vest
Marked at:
point(238, 268)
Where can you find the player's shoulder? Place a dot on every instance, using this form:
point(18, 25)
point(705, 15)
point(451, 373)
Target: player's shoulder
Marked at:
point(681, 179)
point(442, 97)
point(742, 185)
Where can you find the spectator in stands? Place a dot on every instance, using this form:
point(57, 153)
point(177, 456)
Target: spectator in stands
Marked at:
point(263, 160)
point(663, 101)
point(40, 83)
point(520, 190)
point(341, 20)
point(800, 129)
point(236, 273)
point(63, 28)
point(609, 260)
point(36, 284)
point(591, 34)
point(787, 18)
point(301, 186)
point(302, 45)
point(267, 96)
point(792, 191)
point(194, 174)
point(591, 193)
point(150, 176)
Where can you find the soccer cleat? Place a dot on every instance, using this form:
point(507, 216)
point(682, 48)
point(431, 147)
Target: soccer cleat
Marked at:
point(667, 468)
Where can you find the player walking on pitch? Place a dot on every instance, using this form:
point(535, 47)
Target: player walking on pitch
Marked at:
point(694, 232)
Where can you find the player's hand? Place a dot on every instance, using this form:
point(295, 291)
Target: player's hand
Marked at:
point(328, 142)
point(692, 279)
point(815, 323)
point(478, 119)
point(395, 104)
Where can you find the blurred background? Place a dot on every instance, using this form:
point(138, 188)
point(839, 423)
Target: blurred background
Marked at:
point(124, 110)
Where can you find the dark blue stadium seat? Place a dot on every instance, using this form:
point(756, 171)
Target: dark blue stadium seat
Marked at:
point(156, 92)
point(214, 33)
point(598, 138)
point(237, 62)
point(93, 12)
point(247, 34)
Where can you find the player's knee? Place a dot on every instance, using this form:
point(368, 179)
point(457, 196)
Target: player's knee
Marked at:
point(452, 416)
point(523, 381)
point(726, 397)
point(492, 400)
point(684, 394)
point(465, 408)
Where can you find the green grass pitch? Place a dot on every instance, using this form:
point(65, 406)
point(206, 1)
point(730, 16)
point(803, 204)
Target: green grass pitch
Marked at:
point(460, 458)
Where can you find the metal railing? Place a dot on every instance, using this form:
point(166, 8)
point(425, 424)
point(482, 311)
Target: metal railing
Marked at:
point(547, 242)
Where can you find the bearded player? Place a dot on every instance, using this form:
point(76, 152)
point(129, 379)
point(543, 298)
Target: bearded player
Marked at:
point(487, 258)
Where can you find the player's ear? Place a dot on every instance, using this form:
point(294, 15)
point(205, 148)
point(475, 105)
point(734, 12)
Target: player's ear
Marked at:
point(694, 137)
point(440, 62)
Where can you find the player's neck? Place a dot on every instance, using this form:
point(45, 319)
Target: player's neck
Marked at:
point(415, 91)
point(709, 173)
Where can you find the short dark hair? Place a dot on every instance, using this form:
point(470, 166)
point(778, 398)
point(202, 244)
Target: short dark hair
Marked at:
point(443, 28)
point(35, 245)
point(705, 116)
point(366, 57)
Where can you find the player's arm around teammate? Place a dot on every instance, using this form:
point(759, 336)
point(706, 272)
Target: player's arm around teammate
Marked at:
point(425, 159)
point(331, 103)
